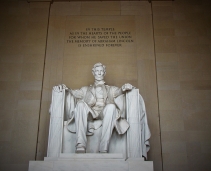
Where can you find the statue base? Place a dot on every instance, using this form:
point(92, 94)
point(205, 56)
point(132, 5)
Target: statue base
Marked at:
point(91, 162)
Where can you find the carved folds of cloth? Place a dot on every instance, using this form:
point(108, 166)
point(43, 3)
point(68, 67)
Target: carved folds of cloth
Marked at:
point(133, 144)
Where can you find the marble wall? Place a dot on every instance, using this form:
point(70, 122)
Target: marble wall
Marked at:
point(169, 61)
point(133, 62)
point(23, 31)
point(183, 62)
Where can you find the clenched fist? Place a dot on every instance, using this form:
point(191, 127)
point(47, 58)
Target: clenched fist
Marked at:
point(126, 87)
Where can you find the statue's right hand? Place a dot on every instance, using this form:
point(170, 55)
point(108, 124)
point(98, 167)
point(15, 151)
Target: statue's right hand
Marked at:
point(60, 87)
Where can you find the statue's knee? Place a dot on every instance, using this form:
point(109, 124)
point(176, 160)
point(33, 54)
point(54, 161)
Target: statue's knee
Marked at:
point(110, 107)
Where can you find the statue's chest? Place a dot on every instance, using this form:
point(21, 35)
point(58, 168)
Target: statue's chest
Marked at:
point(99, 92)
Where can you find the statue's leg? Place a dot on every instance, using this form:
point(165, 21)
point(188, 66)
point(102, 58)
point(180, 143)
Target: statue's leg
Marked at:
point(81, 113)
point(109, 115)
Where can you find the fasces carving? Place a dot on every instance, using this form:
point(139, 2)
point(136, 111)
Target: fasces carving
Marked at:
point(98, 107)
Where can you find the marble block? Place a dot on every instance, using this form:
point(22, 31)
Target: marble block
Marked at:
point(87, 156)
point(91, 162)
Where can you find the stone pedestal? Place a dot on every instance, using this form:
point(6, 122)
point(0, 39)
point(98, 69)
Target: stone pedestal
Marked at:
point(91, 162)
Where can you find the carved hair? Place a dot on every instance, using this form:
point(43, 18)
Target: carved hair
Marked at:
point(97, 65)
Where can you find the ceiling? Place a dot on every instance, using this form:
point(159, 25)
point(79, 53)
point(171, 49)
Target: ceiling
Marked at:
point(90, 0)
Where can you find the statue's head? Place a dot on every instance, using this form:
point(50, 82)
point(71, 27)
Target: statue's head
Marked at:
point(99, 71)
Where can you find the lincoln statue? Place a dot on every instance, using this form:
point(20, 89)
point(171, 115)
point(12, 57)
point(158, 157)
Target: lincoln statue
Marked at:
point(94, 107)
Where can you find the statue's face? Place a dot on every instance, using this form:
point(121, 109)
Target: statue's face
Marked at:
point(99, 73)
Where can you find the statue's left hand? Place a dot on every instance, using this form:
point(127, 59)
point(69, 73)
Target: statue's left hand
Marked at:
point(126, 87)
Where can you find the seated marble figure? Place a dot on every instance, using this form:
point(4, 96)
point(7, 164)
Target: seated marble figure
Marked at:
point(96, 106)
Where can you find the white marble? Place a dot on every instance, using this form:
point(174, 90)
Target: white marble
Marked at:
point(95, 101)
point(41, 165)
point(133, 118)
point(56, 124)
point(140, 165)
point(117, 142)
point(105, 131)
point(94, 165)
point(88, 156)
point(91, 156)
point(138, 133)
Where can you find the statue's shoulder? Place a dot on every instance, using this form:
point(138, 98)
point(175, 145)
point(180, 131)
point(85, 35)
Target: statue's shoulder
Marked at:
point(84, 89)
point(107, 87)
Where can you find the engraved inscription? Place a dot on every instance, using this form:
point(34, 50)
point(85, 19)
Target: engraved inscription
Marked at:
point(100, 37)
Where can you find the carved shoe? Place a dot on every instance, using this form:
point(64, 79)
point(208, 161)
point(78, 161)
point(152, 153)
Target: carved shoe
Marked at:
point(80, 150)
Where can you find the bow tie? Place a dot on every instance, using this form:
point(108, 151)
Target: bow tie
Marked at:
point(99, 83)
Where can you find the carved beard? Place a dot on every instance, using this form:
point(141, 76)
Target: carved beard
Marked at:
point(99, 78)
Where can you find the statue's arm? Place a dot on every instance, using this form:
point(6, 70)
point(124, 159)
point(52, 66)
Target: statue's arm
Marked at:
point(118, 91)
point(79, 94)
